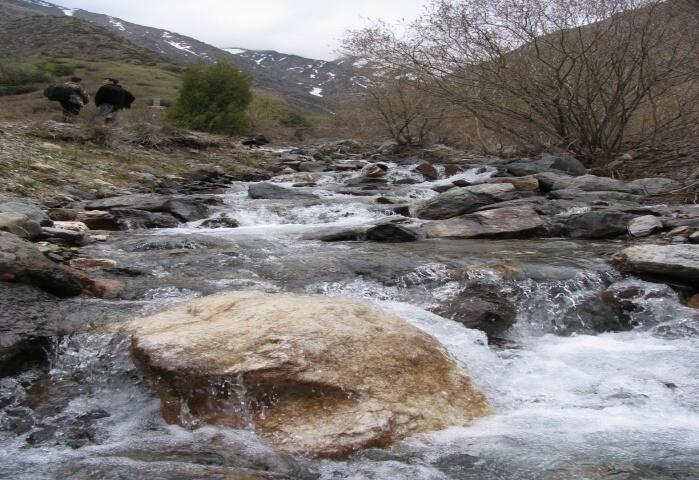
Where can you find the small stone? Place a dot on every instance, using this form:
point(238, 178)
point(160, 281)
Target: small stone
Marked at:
point(72, 226)
point(92, 263)
point(693, 301)
point(644, 226)
point(374, 170)
point(62, 214)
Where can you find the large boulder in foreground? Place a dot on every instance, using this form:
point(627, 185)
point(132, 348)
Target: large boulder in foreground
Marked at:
point(679, 262)
point(508, 222)
point(317, 376)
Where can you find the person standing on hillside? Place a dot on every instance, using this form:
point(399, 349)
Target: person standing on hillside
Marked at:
point(110, 99)
point(71, 95)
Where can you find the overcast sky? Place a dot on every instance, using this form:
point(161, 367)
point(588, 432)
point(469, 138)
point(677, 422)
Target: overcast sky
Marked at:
point(311, 28)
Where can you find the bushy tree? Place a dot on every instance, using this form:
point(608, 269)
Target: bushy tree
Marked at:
point(213, 98)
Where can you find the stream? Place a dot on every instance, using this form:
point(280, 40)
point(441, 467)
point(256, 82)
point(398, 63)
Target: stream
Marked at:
point(569, 403)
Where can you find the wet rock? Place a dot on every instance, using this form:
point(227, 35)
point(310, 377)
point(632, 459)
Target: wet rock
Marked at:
point(222, 221)
point(481, 306)
point(593, 183)
point(644, 226)
point(593, 225)
point(31, 211)
point(132, 218)
point(679, 262)
point(461, 200)
point(693, 301)
point(355, 234)
point(598, 314)
point(388, 148)
point(173, 242)
point(405, 181)
point(100, 220)
point(20, 261)
point(402, 210)
point(270, 191)
point(65, 237)
point(365, 181)
point(509, 222)
point(391, 233)
point(185, 210)
point(428, 171)
point(374, 170)
point(694, 237)
point(594, 197)
point(451, 169)
point(322, 376)
point(20, 225)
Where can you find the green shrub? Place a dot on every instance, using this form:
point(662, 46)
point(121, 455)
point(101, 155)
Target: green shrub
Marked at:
point(21, 77)
point(213, 98)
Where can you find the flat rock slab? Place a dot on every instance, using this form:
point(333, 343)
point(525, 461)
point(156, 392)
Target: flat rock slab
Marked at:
point(680, 262)
point(270, 191)
point(508, 222)
point(313, 375)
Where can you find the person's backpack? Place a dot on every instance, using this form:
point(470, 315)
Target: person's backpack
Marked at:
point(58, 93)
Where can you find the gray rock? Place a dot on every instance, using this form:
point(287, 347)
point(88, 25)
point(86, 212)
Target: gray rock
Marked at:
point(66, 237)
point(564, 162)
point(653, 186)
point(679, 262)
point(481, 306)
point(134, 219)
point(312, 166)
point(594, 197)
point(593, 225)
point(186, 210)
point(510, 222)
point(22, 262)
point(521, 169)
point(644, 226)
point(223, 221)
point(32, 211)
point(204, 172)
point(20, 224)
point(462, 200)
point(173, 242)
point(428, 171)
point(265, 190)
point(593, 183)
point(390, 233)
point(548, 179)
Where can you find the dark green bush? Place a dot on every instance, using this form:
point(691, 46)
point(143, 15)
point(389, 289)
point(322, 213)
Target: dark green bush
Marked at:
point(213, 98)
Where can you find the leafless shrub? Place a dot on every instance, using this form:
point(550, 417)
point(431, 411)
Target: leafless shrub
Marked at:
point(592, 76)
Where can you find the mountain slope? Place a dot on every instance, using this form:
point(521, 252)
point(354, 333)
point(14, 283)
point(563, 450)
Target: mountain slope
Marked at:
point(306, 83)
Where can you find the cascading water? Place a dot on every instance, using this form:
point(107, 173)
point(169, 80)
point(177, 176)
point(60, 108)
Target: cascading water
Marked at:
point(569, 403)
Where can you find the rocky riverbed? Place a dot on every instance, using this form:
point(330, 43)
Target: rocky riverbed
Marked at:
point(548, 323)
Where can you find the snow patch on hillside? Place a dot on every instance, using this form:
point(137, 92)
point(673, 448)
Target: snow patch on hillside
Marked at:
point(117, 24)
point(234, 51)
point(316, 92)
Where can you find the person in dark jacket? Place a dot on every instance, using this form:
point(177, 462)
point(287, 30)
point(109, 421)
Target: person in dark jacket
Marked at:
point(77, 99)
point(110, 99)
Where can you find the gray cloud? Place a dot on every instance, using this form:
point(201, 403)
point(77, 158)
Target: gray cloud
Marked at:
point(305, 27)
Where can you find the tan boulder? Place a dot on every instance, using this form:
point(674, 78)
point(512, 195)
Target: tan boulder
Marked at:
point(374, 170)
point(72, 226)
point(313, 375)
point(506, 222)
point(528, 183)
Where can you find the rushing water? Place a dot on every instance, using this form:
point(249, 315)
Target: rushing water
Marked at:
point(569, 403)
